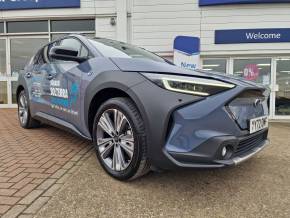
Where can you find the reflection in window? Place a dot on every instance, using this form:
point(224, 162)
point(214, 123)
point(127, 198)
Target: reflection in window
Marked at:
point(283, 82)
point(22, 50)
point(217, 65)
point(3, 93)
point(2, 57)
point(255, 70)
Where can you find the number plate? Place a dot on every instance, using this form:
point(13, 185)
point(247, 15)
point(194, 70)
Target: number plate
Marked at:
point(258, 124)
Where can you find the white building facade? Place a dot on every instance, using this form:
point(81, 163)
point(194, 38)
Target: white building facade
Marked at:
point(247, 40)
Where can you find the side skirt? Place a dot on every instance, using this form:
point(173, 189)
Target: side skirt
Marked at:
point(58, 123)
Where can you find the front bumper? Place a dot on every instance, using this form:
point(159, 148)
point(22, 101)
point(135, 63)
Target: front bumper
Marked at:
point(208, 154)
point(189, 131)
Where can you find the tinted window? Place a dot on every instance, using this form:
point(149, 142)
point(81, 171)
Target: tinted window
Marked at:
point(24, 27)
point(72, 25)
point(76, 45)
point(1, 27)
point(111, 48)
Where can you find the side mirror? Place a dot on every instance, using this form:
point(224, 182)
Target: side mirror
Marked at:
point(65, 53)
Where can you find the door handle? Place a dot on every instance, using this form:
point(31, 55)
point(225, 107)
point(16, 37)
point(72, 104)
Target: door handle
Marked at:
point(50, 76)
point(28, 75)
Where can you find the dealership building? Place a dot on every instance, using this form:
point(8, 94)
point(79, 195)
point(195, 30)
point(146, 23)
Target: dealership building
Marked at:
point(246, 38)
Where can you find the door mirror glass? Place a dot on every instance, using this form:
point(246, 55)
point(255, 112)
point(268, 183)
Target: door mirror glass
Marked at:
point(66, 53)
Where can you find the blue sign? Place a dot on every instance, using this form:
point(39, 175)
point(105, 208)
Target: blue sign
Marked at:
point(37, 4)
point(252, 36)
point(187, 44)
point(186, 52)
point(227, 2)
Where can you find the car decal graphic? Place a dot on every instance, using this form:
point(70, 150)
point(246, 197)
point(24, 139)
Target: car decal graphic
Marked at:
point(62, 98)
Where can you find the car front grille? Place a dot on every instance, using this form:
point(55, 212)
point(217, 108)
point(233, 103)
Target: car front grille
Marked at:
point(243, 107)
point(248, 143)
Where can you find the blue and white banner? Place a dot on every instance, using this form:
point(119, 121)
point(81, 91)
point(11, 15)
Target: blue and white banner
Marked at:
point(187, 52)
point(37, 4)
point(238, 36)
point(230, 2)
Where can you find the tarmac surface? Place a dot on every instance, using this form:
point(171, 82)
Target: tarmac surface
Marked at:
point(259, 187)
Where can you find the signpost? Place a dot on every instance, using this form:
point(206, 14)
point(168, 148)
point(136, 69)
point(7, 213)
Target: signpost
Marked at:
point(187, 52)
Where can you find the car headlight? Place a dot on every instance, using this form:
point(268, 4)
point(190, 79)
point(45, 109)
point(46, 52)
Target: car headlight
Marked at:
point(189, 85)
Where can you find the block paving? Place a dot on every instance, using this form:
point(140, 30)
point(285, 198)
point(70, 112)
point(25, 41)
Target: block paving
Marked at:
point(34, 164)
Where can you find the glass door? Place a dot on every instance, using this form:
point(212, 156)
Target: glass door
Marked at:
point(282, 88)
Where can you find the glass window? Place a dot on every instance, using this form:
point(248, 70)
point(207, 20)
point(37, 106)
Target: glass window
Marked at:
point(22, 49)
point(60, 35)
point(256, 70)
point(1, 27)
point(112, 48)
point(14, 89)
point(27, 26)
point(283, 82)
point(3, 93)
point(2, 57)
point(72, 25)
point(217, 65)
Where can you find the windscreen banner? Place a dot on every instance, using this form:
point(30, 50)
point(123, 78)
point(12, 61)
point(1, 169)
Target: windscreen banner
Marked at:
point(37, 4)
point(230, 2)
point(187, 52)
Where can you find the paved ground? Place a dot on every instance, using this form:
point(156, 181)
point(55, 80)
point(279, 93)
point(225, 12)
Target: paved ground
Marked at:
point(53, 170)
point(34, 164)
point(258, 188)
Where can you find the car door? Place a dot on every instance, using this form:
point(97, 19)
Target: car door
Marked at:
point(64, 84)
point(37, 87)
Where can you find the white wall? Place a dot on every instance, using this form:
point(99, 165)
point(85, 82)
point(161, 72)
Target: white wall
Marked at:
point(244, 17)
point(88, 8)
point(103, 10)
point(157, 22)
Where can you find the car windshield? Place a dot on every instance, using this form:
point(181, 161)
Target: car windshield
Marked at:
point(112, 48)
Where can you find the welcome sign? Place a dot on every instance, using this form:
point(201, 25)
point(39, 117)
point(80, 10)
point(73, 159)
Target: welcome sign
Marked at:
point(227, 2)
point(252, 36)
point(37, 4)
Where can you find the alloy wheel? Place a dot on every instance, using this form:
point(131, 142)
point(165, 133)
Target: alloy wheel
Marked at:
point(23, 109)
point(115, 140)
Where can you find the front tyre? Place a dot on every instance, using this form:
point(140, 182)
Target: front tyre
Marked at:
point(24, 116)
point(120, 139)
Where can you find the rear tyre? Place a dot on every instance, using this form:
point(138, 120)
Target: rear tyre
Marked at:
point(24, 116)
point(120, 140)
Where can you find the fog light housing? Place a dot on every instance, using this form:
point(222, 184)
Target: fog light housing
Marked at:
point(227, 152)
point(224, 151)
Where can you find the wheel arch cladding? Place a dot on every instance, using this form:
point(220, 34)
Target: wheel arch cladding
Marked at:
point(19, 89)
point(105, 86)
